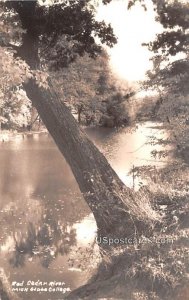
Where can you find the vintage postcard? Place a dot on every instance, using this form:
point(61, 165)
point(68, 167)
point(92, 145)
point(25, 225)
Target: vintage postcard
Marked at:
point(94, 150)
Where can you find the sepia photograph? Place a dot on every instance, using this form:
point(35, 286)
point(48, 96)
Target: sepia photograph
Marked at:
point(94, 150)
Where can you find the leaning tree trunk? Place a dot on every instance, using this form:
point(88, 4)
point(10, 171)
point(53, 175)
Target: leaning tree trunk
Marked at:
point(112, 203)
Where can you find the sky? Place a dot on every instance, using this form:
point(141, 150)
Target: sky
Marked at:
point(129, 60)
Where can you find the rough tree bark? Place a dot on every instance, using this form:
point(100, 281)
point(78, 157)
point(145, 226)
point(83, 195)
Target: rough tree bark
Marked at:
point(112, 203)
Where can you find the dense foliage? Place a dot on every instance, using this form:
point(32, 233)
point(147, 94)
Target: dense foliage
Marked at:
point(58, 44)
point(92, 92)
point(156, 271)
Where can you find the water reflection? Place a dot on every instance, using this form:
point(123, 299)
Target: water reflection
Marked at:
point(46, 241)
point(43, 217)
point(40, 204)
point(130, 147)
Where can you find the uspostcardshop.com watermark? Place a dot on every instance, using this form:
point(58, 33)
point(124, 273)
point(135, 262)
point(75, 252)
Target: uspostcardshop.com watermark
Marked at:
point(104, 240)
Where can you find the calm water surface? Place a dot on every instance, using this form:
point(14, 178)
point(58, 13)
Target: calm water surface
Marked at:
point(45, 225)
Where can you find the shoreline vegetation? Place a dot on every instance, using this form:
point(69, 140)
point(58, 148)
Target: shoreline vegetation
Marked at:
point(48, 78)
point(10, 135)
point(129, 272)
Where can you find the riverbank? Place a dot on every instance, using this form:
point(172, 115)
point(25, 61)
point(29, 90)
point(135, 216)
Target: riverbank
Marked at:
point(10, 135)
point(156, 269)
point(147, 272)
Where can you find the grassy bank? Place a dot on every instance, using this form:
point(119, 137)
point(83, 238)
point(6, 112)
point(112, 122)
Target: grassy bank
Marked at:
point(158, 267)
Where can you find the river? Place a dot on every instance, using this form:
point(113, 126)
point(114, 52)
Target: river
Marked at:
point(46, 227)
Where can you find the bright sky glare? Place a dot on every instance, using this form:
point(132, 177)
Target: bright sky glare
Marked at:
point(129, 59)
